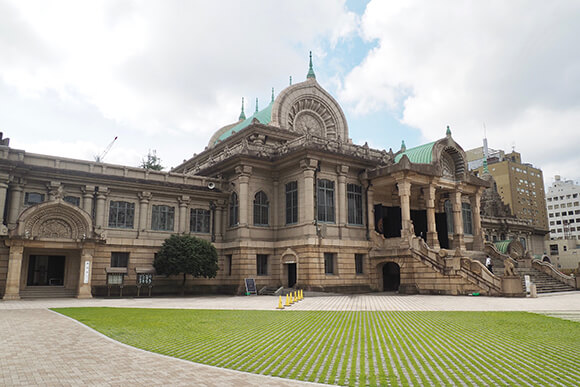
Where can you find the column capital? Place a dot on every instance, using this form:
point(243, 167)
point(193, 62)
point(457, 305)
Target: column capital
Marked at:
point(144, 196)
point(404, 187)
point(183, 200)
point(342, 170)
point(88, 190)
point(243, 170)
point(309, 164)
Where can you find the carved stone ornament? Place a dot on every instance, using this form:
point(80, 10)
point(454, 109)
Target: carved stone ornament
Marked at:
point(55, 220)
point(310, 115)
point(307, 122)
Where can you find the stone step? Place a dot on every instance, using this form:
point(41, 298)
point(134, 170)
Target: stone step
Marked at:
point(47, 292)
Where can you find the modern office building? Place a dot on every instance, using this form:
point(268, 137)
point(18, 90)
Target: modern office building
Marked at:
point(563, 207)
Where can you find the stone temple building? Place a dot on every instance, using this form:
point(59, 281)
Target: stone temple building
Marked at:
point(284, 195)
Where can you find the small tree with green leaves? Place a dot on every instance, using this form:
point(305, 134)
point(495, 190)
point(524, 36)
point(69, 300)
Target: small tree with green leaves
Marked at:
point(185, 254)
point(152, 161)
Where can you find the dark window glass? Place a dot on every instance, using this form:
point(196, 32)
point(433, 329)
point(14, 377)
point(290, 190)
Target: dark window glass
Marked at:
point(31, 198)
point(121, 214)
point(354, 197)
point(325, 202)
point(262, 264)
point(467, 219)
point(119, 259)
point(199, 220)
point(234, 209)
point(329, 263)
point(261, 209)
point(75, 201)
point(228, 264)
point(291, 202)
point(162, 218)
point(358, 263)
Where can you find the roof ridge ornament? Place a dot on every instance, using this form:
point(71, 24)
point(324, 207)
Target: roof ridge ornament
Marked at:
point(256, 105)
point(448, 132)
point(242, 114)
point(272, 95)
point(310, 74)
point(403, 146)
point(290, 80)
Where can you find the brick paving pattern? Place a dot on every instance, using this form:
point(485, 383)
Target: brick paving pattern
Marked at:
point(39, 347)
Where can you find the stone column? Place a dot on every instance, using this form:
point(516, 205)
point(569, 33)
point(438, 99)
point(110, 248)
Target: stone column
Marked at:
point(458, 238)
point(144, 198)
point(371, 209)
point(219, 216)
point(183, 204)
point(475, 212)
point(306, 200)
point(342, 170)
point(12, 291)
point(15, 200)
point(88, 192)
point(244, 172)
point(100, 210)
point(85, 273)
point(432, 239)
point(405, 198)
point(3, 191)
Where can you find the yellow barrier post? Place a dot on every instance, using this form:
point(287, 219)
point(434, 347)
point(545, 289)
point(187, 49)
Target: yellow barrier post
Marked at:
point(287, 300)
point(280, 306)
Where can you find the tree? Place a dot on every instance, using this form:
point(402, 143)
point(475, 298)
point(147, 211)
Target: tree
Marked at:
point(185, 254)
point(152, 161)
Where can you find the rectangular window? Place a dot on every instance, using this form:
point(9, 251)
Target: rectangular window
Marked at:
point(291, 202)
point(121, 214)
point(325, 200)
point(553, 249)
point(228, 265)
point(329, 263)
point(31, 198)
point(358, 263)
point(467, 220)
point(74, 200)
point(119, 259)
point(199, 220)
point(162, 218)
point(262, 264)
point(354, 198)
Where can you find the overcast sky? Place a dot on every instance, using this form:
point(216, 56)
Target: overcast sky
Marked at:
point(165, 75)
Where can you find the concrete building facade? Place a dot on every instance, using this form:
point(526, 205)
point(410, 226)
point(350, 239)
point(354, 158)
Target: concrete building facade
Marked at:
point(563, 207)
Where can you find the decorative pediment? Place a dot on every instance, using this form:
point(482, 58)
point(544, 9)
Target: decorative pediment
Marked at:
point(54, 220)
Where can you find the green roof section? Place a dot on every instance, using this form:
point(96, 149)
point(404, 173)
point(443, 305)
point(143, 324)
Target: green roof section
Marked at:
point(264, 116)
point(422, 154)
point(502, 246)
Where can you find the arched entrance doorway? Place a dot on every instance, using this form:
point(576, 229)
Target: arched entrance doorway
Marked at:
point(391, 277)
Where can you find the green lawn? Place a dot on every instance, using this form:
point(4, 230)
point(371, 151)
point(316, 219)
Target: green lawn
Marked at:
point(357, 348)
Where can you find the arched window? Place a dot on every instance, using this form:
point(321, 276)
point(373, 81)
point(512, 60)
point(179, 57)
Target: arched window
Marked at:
point(234, 220)
point(261, 209)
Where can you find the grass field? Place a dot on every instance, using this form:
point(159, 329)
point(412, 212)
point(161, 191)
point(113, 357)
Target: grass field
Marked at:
point(357, 348)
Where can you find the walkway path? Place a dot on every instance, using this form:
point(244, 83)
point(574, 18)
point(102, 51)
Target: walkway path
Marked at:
point(40, 347)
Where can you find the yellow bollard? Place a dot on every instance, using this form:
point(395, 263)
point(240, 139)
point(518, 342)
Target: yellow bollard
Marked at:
point(280, 306)
point(298, 295)
point(287, 300)
point(292, 300)
point(301, 294)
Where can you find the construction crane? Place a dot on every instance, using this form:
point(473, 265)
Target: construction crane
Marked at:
point(99, 158)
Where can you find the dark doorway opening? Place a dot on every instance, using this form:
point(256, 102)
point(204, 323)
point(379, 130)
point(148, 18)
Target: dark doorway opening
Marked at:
point(442, 235)
point(291, 274)
point(419, 218)
point(388, 221)
point(391, 277)
point(46, 270)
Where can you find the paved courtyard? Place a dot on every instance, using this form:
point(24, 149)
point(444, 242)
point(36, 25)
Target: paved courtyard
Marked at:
point(40, 347)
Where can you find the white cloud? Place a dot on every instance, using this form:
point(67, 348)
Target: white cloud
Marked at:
point(511, 65)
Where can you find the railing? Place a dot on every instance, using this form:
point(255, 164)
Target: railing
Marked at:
point(549, 269)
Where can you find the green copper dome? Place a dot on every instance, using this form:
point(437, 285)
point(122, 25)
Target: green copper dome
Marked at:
point(422, 154)
point(263, 116)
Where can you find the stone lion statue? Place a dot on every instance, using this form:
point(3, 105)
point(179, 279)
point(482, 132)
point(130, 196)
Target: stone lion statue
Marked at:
point(509, 270)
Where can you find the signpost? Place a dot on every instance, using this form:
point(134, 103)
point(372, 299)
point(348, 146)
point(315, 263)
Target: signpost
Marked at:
point(250, 286)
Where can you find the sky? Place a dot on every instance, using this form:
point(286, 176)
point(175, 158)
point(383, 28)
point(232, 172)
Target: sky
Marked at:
point(165, 75)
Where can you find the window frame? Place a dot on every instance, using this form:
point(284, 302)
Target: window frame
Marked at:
point(291, 202)
point(325, 203)
point(261, 209)
point(234, 207)
point(160, 212)
point(118, 257)
point(262, 264)
point(128, 211)
point(329, 263)
point(354, 197)
point(359, 264)
point(199, 217)
point(28, 202)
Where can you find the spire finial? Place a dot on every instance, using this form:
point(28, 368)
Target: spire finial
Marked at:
point(403, 146)
point(290, 80)
point(310, 74)
point(242, 114)
point(272, 94)
point(448, 132)
point(256, 105)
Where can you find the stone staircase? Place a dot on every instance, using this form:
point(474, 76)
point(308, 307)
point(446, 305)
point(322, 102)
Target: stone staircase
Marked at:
point(47, 292)
point(544, 282)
